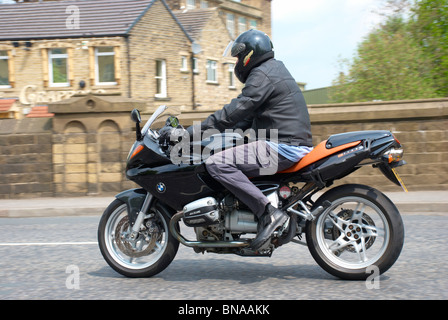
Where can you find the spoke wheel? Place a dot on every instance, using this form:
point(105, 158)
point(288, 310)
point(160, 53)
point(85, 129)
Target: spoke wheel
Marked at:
point(143, 254)
point(361, 228)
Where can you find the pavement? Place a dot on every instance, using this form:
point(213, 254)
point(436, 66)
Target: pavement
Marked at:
point(416, 202)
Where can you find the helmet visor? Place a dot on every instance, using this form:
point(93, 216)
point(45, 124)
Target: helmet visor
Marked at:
point(228, 50)
point(233, 49)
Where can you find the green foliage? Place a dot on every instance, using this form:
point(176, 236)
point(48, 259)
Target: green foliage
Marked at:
point(401, 59)
point(430, 29)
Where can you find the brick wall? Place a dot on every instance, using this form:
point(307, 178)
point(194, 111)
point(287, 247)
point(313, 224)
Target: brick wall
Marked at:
point(214, 40)
point(157, 36)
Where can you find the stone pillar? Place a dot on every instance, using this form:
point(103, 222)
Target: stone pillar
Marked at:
point(88, 143)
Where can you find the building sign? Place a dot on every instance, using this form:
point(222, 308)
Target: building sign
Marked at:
point(29, 95)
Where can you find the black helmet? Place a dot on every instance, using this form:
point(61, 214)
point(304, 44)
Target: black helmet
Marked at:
point(252, 48)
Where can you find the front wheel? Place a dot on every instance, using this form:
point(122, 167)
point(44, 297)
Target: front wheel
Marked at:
point(142, 255)
point(360, 231)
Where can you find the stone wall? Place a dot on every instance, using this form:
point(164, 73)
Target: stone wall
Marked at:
point(25, 158)
point(84, 152)
point(420, 125)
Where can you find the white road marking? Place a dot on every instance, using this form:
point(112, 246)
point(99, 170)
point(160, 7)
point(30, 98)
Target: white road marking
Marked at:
point(16, 244)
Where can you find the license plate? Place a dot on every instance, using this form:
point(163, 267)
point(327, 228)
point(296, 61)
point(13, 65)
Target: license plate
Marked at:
point(399, 180)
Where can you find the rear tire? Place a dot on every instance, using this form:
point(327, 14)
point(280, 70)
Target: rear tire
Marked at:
point(362, 231)
point(152, 251)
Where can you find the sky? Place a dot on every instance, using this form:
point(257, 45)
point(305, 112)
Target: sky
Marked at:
point(312, 36)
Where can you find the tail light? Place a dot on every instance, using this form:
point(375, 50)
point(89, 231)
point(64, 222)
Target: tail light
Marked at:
point(393, 155)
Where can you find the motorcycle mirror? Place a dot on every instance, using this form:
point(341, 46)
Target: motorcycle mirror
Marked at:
point(135, 116)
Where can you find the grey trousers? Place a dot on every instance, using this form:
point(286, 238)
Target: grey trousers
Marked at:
point(233, 167)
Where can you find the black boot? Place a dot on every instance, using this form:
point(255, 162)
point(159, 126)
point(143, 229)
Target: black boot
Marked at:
point(271, 219)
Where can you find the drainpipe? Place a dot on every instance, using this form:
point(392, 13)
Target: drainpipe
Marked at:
point(128, 65)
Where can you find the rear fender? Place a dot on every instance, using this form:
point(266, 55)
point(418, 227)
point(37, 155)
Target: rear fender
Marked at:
point(386, 169)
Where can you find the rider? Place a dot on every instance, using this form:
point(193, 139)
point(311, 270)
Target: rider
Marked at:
point(270, 100)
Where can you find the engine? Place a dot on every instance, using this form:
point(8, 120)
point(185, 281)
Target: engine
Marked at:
point(222, 221)
point(202, 212)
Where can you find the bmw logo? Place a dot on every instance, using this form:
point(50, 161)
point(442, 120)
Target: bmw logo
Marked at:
point(161, 187)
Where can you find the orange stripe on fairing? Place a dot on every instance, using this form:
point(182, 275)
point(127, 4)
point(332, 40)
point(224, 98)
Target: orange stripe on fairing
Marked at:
point(318, 153)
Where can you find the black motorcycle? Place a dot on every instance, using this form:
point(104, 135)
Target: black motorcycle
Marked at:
point(349, 230)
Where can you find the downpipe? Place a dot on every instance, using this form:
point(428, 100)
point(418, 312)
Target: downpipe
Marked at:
point(201, 244)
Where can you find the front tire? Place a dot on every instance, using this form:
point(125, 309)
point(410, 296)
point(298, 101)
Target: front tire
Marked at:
point(360, 231)
point(149, 253)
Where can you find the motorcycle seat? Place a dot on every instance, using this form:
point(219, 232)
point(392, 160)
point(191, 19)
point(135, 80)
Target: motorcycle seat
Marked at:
point(319, 152)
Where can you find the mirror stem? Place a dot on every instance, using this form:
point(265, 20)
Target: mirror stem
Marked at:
point(138, 131)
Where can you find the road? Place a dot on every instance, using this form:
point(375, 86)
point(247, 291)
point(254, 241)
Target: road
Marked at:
point(58, 258)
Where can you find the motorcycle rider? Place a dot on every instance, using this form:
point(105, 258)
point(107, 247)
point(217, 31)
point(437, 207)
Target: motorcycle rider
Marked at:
point(270, 100)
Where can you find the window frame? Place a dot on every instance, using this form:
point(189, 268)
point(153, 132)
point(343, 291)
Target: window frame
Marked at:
point(6, 58)
point(52, 56)
point(190, 4)
point(183, 63)
point(194, 66)
point(211, 65)
point(230, 24)
point(97, 71)
point(231, 74)
point(242, 25)
point(253, 24)
point(162, 78)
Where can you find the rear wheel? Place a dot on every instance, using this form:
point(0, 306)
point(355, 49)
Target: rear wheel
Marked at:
point(143, 255)
point(360, 231)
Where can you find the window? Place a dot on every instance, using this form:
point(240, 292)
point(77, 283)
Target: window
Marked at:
point(105, 66)
point(253, 24)
point(191, 4)
point(231, 24)
point(58, 67)
point(183, 64)
point(242, 25)
point(195, 65)
point(204, 4)
point(161, 79)
point(231, 71)
point(4, 69)
point(212, 75)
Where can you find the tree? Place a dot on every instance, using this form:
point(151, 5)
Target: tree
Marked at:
point(430, 29)
point(401, 59)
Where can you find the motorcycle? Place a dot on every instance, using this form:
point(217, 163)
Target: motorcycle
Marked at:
point(349, 229)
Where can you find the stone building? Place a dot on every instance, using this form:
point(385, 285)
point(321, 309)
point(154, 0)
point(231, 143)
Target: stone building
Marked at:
point(70, 72)
point(238, 15)
point(215, 83)
point(51, 50)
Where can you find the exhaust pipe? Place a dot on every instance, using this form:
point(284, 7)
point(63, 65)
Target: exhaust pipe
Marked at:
point(201, 244)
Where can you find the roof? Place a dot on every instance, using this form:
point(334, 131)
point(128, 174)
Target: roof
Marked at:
point(6, 104)
point(56, 19)
point(40, 112)
point(195, 20)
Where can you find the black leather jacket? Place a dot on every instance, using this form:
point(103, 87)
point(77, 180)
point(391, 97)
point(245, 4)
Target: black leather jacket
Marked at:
point(271, 99)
